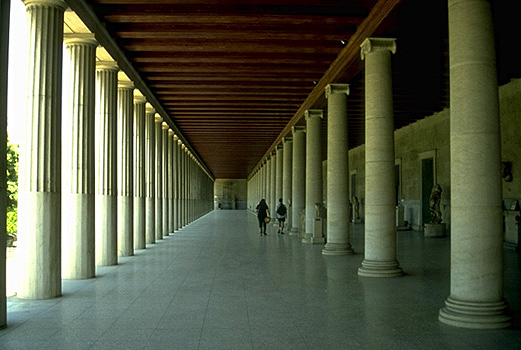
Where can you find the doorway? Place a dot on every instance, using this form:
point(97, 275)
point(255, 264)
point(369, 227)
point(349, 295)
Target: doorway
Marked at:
point(428, 180)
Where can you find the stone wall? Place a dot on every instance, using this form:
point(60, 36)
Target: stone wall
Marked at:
point(230, 193)
point(432, 134)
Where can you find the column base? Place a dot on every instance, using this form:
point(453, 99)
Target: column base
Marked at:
point(476, 315)
point(337, 249)
point(293, 231)
point(309, 239)
point(380, 269)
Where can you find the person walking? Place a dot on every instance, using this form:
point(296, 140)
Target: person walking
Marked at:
point(282, 212)
point(263, 212)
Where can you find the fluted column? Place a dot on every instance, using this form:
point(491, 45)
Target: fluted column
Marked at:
point(287, 177)
point(177, 179)
point(39, 206)
point(273, 183)
point(338, 242)
point(4, 53)
point(124, 168)
point(298, 183)
point(139, 171)
point(106, 161)
point(164, 176)
point(278, 176)
point(183, 186)
point(150, 165)
point(380, 203)
point(78, 247)
point(476, 285)
point(171, 181)
point(313, 173)
point(158, 181)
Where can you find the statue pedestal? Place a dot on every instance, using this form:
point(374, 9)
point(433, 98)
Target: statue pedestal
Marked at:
point(434, 230)
point(511, 228)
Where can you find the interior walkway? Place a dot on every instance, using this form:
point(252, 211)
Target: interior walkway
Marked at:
point(217, 285)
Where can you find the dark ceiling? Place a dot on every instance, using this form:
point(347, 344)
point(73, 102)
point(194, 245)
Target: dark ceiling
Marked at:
point(234, 76)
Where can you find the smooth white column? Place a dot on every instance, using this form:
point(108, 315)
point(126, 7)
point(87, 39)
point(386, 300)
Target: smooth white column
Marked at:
point(476, 284)
point(150, 165)
point(177, 179)
point(298, 183)
point(273, 184)
point(164, 178)
point(287, 174)
point(139, 171)
point(4, 53)
point(278, 176)
point(106, 154)
point(124, 168)
point(78, 247)
point(313, 173)
point(268, 181)
point(39, 207)
point(380, 203)
point(338, 242)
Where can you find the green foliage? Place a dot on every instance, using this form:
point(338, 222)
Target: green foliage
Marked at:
point(12, 187)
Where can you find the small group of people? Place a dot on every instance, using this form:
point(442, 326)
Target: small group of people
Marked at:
point(263, 214)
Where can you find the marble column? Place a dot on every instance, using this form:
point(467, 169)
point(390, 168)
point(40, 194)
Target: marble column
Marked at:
point(4, 54)
point(106, 161)
point(298, 178)
point(313, 174)
point(278, 176)
point(268, 181)
point(287, 177)
point(380, 202)
point(164, 176)
point(273, 184)
point(139, 171)
point(176, 185)
point(150, 165)
point(338, 242)
point(39, 232)
point(124, 168)
point(171, 181)
point(158, 171)
point(476, 285)
point(78, 249)
point(183, 183)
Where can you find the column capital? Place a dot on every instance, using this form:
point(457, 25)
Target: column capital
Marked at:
point(176, 137)
point(287, 139)
point(138, 97)
point(107, 65)
point(80, 38)
point(157, 118)
point(149, 109)
point(171, 132)
point(373, 44)
point(298, 128)
point(336, 89)
point(165, 126)
point(55, 3)
point(310, 113)
point(125, 84)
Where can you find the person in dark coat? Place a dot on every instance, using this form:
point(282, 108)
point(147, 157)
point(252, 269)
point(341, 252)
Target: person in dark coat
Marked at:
point(262, 212)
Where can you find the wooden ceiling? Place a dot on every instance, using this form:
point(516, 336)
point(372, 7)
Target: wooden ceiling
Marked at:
point(234, 76)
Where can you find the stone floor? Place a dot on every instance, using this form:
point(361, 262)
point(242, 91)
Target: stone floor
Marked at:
point(217, 285)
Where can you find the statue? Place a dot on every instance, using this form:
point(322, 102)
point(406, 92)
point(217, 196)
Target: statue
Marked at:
point(434, 202)
point(318, 210)
point(356, 208)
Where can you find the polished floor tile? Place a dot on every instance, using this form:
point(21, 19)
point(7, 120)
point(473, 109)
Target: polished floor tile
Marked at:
point(216, 284)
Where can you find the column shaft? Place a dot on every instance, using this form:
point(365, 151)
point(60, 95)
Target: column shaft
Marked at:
point(164, 176)
point(78, 247)
point(106, 161)
point(298, 185)
point(286, 178)
point(124, 169)
point(338, 242)
point(139, 172)
point(380, 205)
point(158, 182)
point(278, 176)
point(171, 182)
point(39, 207)
point(150, 164)
point(313, 175)
point(476, 287)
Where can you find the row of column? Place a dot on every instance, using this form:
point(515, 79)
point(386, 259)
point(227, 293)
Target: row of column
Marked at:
point(107, 178)
point(476, 293)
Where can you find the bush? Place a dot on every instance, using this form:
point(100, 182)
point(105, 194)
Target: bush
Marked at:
point(12, 189)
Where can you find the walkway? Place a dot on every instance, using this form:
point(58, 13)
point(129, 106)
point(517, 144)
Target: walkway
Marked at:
point(217, 285)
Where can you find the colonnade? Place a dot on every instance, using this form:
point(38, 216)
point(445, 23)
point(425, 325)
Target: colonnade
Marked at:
point(104, 179)
point(476, 293)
